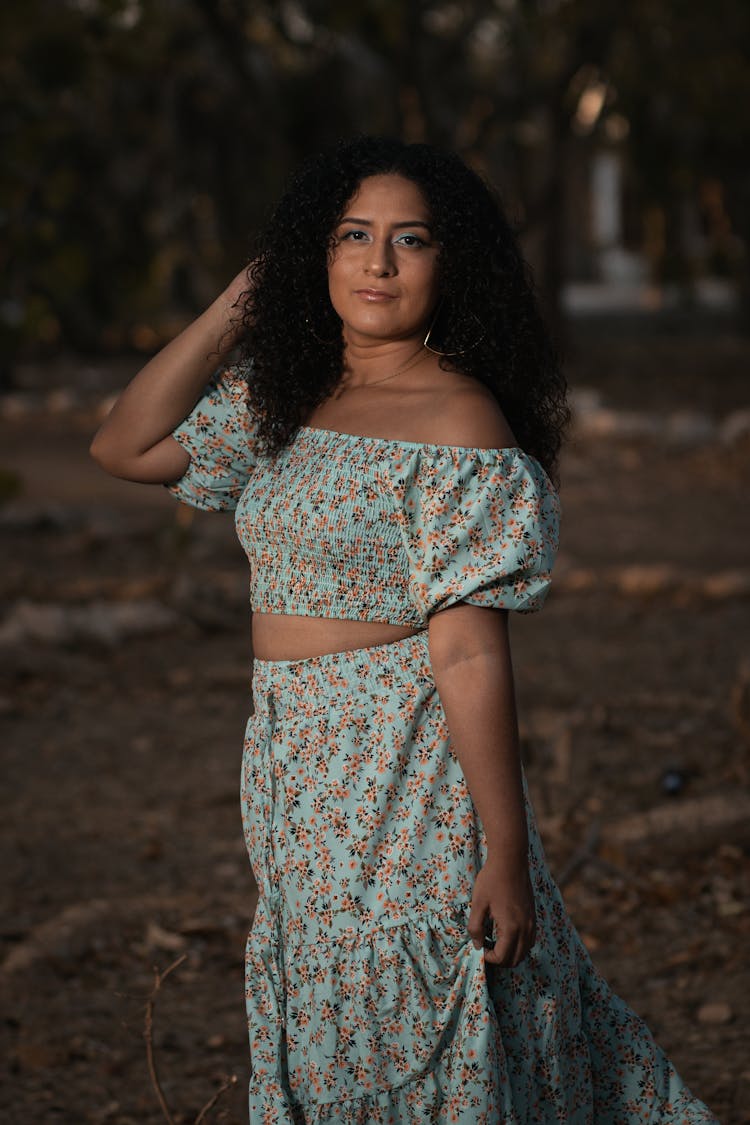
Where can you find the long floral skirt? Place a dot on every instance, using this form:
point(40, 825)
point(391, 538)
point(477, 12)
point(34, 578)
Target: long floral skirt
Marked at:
point(367, 1002)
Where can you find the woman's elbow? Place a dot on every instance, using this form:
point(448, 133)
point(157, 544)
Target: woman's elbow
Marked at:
point(165, 462)
point(105, 454)
point(99, 450)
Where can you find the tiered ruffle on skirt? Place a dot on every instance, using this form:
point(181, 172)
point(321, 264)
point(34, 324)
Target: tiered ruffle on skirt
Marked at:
point(367, 1002)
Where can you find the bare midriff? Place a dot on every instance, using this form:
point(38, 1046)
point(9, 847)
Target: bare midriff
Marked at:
point(281, 636)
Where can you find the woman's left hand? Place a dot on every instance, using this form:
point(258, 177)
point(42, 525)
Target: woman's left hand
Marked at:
point(502, 892)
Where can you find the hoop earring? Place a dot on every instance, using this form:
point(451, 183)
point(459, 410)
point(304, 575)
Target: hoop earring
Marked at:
point(434, 350)
point(327, 343)
point(309, 321)
point(425, 343)
point(473, 344)
point(320, 339)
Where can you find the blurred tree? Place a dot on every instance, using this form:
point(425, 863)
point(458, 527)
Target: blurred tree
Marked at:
point(682, 79)
point(144, 140)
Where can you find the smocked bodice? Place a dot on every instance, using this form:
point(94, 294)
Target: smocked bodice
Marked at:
point(374, 529)
point(320, 530)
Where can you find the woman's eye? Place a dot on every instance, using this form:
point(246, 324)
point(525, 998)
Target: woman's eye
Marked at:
point(410, 240)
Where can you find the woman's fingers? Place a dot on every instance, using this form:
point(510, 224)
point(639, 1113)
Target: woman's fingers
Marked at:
point(504, 950)
point(475, 923)
point(512, 945)
point(502, 906)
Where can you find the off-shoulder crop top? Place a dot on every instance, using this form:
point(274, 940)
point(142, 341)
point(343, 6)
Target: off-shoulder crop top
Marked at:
point(368, 528)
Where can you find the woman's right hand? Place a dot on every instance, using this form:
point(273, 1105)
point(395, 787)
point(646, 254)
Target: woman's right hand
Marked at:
point(503, 895)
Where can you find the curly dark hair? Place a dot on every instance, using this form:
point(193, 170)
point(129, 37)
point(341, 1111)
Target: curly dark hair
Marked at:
point(489, 313)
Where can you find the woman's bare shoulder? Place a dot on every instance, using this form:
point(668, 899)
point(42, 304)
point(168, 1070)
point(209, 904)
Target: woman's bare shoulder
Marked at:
point(468, 414)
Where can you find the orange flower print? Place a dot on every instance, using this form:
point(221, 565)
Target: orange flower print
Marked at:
point(367, 1003)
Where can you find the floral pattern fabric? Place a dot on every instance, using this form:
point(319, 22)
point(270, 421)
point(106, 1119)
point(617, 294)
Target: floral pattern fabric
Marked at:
point(367, 1003)
point(218, 433)
point(368, 528)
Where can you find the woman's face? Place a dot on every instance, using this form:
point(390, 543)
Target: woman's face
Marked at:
point(383, 274)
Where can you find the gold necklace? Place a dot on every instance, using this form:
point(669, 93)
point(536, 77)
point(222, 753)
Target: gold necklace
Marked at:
point(412, 362)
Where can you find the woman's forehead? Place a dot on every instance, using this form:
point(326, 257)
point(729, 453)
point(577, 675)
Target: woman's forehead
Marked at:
point(388, 194)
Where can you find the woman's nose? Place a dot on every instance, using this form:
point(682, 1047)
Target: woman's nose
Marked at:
point(380, 261)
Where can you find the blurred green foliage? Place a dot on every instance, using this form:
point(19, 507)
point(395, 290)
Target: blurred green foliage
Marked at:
point(144, 140)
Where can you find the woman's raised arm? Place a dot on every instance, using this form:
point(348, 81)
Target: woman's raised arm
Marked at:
point(134, 441)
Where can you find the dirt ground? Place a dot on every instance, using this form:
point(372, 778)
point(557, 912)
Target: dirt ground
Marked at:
point(126, 664)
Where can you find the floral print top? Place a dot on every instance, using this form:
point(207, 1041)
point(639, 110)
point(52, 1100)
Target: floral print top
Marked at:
point(368, 528)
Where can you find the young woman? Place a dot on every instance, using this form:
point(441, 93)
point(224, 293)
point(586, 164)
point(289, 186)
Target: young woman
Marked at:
point(388, 441)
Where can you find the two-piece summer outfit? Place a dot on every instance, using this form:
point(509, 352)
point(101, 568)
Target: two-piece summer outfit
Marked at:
point(367, 1002)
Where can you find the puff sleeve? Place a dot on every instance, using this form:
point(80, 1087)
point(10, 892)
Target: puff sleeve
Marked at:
point(218, 434)
point(478, 526)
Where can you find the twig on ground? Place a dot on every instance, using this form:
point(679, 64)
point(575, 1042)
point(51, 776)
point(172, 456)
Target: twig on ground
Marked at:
point(227, 1084)
point(148, 1033)
point(581, 855)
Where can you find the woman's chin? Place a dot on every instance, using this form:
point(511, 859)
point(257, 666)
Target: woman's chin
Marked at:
point(379, 328)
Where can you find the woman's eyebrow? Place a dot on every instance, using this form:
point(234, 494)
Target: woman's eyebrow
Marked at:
point(368, 222)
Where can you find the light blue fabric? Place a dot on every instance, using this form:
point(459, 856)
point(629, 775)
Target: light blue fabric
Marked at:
point(369, 528)
point(367, 1003)
point(218, 434)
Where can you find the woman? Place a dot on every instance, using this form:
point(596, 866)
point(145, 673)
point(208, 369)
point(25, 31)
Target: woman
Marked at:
point(388, 442)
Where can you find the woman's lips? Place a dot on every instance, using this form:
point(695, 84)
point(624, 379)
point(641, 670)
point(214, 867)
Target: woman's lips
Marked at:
point(374, 295)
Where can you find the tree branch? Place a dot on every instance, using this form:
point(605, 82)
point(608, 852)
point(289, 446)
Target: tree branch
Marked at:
point(148, 1033)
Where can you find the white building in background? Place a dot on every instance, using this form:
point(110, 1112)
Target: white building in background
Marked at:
point(616, 264)
point(613, 239)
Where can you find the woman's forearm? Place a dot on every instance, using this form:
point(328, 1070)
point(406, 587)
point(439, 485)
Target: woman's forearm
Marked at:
point(478, 697)
point(166, 389)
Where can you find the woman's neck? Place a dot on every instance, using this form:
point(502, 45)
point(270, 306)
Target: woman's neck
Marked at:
point(377, 360)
